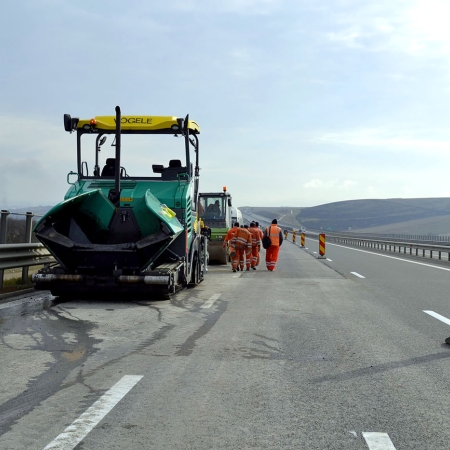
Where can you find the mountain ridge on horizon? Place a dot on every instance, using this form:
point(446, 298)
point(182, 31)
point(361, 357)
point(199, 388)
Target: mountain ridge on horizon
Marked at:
point(426, 216)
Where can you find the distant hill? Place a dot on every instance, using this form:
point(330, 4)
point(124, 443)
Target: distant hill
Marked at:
point(397, 215)
point(424, 216)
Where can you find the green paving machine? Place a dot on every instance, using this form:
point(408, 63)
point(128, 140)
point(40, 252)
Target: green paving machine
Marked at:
point(120, 232)
point(216, 213)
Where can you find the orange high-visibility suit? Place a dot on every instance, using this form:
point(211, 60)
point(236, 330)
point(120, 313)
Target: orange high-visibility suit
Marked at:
point(256, 244)
point(242, 242)
point(261, 235)
point(229, 240)
point(276, 236)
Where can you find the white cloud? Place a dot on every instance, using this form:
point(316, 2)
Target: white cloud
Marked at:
point(241, 63)
point(348, 98)
point(35, 156)
point(316, 183)
point(348, 37)
point(383, 139)
point(428, 24)
point(418, 29)
point(28, 136)
point(243, 7)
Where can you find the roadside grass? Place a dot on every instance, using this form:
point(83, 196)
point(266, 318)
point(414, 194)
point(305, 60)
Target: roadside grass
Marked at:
point(15, 284)
point(12, 279)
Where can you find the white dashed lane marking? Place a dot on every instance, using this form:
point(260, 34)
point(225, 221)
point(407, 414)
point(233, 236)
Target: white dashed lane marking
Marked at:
point(438, 316)
point(211, 301)
point(393, 257)
point(378, 441)
point(357, 275)
point(82, 426)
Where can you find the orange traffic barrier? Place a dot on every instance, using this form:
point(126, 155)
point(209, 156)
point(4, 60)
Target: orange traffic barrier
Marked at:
point(302, 239)
point(294, 236)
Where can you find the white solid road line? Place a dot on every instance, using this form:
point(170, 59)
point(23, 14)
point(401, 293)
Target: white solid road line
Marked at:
point(210, 301)
point(82, 426)
point(392, 257)
point(357, 274)
point(438, 316)
point(378, 441)
point(328, 259)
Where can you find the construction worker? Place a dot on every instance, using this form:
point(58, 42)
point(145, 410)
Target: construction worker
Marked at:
point(248, 254)
point(244, 247)
point(239, 241)
point(261, 234)
point(256, 244)
point(276, 236)
point(239, 261)
point(232, 250)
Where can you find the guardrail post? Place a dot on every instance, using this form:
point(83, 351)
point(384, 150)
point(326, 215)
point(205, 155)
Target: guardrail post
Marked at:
point(3, 227)
point(28, 223)
point(321, 245)
point(3, 223)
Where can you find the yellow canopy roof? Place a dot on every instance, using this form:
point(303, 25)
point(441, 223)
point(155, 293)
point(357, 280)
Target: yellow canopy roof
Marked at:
point(138, 123)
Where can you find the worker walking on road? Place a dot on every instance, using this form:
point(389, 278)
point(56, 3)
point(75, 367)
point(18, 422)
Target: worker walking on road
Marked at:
point(256, 244)
point(232, 250)
point(243, 244)
point(247, 254)
point(261, 235)
point(239, 241)
point(276, 236)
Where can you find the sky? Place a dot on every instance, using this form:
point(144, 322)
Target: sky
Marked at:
point(300, 102)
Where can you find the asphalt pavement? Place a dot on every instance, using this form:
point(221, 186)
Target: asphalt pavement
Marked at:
point(310, 356)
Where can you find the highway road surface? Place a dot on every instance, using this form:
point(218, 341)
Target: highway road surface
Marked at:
point(343, 352)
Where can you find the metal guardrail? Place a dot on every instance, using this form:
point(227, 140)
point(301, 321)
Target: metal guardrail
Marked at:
point(31, 254)
point(416, 245)
point(411, 248)
point(22, 255)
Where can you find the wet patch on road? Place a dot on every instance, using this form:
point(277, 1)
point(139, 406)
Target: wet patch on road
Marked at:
point(67, 340)
point(187, 347)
